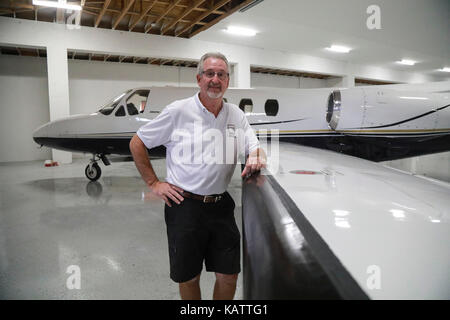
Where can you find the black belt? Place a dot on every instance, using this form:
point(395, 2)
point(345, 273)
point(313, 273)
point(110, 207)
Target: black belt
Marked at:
point(213, 198)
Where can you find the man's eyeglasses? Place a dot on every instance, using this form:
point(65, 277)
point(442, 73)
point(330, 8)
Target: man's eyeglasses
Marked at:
point(222, 75)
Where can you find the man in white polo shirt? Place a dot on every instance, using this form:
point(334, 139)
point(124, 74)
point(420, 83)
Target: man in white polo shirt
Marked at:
point(199, 213)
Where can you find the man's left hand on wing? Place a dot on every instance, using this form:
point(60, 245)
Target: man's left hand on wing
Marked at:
point(255, 162)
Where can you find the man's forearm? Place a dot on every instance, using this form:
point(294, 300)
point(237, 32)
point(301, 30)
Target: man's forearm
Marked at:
point(142, 161)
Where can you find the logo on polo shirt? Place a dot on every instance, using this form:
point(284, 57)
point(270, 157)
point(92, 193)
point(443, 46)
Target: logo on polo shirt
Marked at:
point(231, 130)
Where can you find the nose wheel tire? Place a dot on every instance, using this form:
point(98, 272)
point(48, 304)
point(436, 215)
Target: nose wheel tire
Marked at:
point(93, 171)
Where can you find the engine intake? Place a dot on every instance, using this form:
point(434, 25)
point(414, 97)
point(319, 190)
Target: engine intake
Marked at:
point(334, 109)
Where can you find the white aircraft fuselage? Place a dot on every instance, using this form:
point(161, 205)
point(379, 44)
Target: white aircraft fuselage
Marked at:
point(373, 123)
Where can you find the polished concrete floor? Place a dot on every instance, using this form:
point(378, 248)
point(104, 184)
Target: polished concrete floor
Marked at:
point(58, 231)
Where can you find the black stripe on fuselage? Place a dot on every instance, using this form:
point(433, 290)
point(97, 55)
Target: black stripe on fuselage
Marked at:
point(275, 122)
point(107, 145)
point(406, 120)
point(356, 134)
point(373, 147)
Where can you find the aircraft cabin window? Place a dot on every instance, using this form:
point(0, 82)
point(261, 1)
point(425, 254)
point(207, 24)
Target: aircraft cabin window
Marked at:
point(271, 107)
point(138, 99)
point(246, 105)
point(120, 112)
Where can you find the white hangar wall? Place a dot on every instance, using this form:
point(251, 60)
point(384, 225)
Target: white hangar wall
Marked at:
point(23, 106)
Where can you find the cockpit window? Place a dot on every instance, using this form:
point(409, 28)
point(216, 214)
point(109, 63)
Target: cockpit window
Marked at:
point(131, 109)
point(108, 109)
point(110, 106)
point(120, 112)
point(137, 101)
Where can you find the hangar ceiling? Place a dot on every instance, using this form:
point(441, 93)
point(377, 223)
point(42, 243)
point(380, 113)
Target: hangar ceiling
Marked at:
point(179, 18)
point(410, 29)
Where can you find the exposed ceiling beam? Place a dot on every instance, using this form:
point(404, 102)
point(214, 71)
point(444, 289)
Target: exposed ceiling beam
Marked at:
point(168, 9)
point(143, 14)
point(102, 12)
point(184, 14)
point(202, 16)
point(5, 11)
point(23, 5)
point(90, 12)
point(137, 59)
point(122, 14)
point(219, 18)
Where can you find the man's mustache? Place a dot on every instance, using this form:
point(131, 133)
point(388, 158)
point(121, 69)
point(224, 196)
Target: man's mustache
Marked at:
point(215, 86)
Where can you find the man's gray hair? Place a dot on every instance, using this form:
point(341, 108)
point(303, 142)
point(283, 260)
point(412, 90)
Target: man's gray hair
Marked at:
point(207, 55)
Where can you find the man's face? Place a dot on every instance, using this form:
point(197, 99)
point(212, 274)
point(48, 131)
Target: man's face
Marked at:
point(213, 87)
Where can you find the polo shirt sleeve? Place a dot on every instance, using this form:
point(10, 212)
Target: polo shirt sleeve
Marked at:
point(158, 131)
point(251, 141)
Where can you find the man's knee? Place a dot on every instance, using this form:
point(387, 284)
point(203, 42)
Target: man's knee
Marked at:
point(229, 279)
point(193, 281)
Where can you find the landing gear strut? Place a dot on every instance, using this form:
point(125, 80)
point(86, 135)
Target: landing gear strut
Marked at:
point(93, 171)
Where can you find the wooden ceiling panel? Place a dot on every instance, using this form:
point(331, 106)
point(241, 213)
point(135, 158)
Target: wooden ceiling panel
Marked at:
point(179, 18)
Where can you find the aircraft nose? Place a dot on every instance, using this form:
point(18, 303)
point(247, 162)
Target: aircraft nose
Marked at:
point(40, 133)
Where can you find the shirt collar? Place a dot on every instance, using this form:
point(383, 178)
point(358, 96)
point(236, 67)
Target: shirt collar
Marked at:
point(203, 108)
point(199, 103)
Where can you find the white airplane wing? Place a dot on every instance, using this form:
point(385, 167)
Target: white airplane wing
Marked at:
point(390, 230)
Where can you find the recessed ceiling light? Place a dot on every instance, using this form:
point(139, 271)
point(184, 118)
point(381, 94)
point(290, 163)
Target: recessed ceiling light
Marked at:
point(337, 48)
point(241, 31)
point(444, 69)
point(56, 4)
point(407, 62)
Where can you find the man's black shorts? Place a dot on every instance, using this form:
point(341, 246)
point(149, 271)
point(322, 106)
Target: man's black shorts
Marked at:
point(200, 231)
